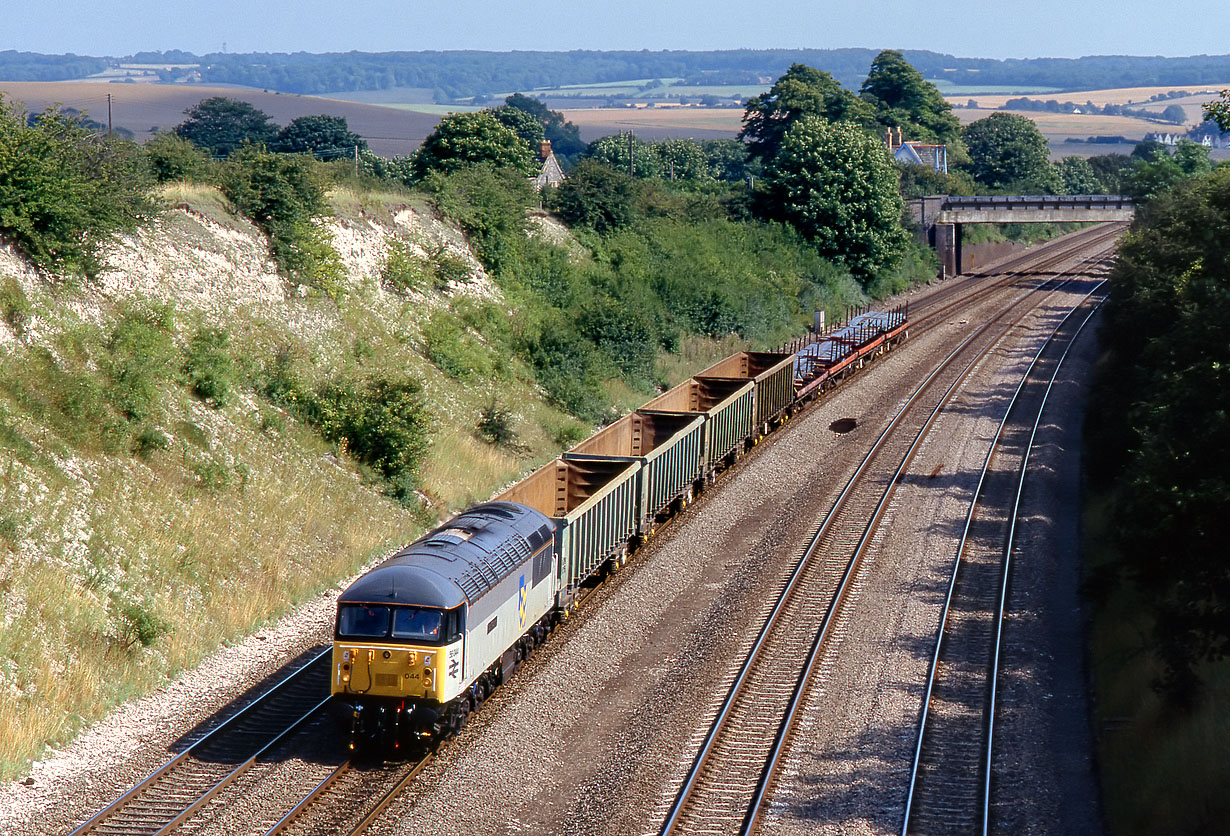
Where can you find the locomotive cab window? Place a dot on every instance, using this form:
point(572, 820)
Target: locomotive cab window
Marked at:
point(362, 621)
point(417, 623)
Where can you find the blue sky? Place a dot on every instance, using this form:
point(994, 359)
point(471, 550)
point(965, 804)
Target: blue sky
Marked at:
point(968, 28)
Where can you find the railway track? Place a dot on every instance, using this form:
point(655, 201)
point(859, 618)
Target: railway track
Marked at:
point(183, 787)
point(731, 775)
point(951, 774)
point(179, 789)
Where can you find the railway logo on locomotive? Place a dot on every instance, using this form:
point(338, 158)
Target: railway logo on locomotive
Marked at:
point(522, 595)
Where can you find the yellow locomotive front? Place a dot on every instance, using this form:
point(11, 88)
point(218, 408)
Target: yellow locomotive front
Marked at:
point(394, 667)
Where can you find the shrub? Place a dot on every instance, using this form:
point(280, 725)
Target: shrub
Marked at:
point(148, 440)
point(137, 363)
point(384, 423)
point(489, 204)
point(403, 271)
point(136, 623)
point(14, 306)
point(454, 350)
point(495, 424)
point(172, 159)
point(208, 366)
point(66, 190)
point(284, 196)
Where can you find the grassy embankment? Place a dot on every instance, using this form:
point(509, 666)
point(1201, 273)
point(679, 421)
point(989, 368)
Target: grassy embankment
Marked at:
point(167, 486)
point(144, 524)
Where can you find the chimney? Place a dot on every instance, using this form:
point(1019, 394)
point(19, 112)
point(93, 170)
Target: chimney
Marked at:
point(544, 149)
point(899, 141)
point(888, 137)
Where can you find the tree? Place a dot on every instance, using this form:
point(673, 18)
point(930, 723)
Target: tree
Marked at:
point(172, 158)
point(1008, 153)
point(596, 196)
point(64, 190)
point(326, 137)
point(1164, 406)
point(614, 151)
point(1219, 111)
point(802, 91)
point(220, 125)
point(838, 187)
point(463, 139)
point(522, 123)
point(727, 159)
point(1175, 113)
point(1078, 176)
point(564, 136)
point(901, 97)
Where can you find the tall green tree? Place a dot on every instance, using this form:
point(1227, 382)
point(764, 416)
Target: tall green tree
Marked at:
point(522, 123)
point(326, 137)
point(1219, 111)
point(564, 136)
point(1008, 153)
point(627, 153)
point(901, 97)
point(220, 125)
point(1078, 176)
point(1163, 420)
point(463, 139)
point(802, 91)
point(838, 186)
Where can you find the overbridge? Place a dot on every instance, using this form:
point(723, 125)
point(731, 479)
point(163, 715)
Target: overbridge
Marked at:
point(942, 217)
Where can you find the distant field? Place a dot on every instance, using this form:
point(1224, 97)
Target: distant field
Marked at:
point(1058, 126)
point(948, 88)
point(143, 107)
point(1123, 95)
point(658, 123)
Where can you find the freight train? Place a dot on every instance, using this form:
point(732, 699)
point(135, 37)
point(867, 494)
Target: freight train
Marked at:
point(422, 640)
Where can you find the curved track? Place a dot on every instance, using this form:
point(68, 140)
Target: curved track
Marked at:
point(181, 787)
point(732, 772)
point(950, 779)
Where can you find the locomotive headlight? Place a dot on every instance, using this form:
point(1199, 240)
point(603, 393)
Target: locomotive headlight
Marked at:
point(411, 657)
point(427, 676)
point(386, 654)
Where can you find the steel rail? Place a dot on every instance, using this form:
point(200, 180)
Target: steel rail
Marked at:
point(147, 782)
point(389, 797)
point(283, 823)
point(946, 610)
point(737, 685)
point(999, 622)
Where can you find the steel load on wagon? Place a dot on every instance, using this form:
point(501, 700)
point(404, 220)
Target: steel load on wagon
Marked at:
point(593, 505)
point(770, 371)
point(728, 407)
point(669, 447)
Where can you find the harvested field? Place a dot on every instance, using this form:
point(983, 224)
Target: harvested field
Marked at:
point(658, 123)
point(141, 108)
point(1057, 127)
point(1120, 95)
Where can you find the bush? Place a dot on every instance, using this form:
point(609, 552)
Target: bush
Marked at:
point(66, 190)
point(285, 197)
point(454, 350)
point(495, 425)
point(172, 159)
point(137, 624)
point(138, 359)
point(14, 306)
point(148, 440)
point(403, 271)
point(208, 366)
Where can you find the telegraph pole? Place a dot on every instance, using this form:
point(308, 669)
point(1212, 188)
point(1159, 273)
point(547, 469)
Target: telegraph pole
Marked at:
point(108, 114)
point(631, 155)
